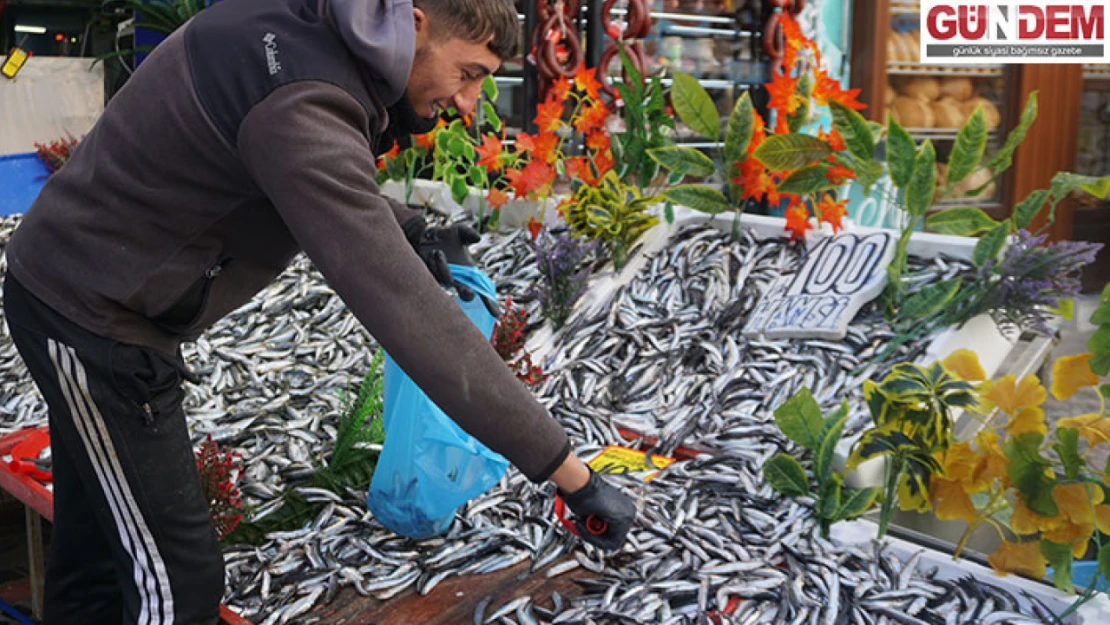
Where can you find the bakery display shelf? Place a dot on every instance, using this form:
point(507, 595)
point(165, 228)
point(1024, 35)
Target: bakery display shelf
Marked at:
point(1093, 71)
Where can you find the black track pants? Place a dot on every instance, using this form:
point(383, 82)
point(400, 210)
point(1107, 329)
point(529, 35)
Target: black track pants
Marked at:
point(132, 540)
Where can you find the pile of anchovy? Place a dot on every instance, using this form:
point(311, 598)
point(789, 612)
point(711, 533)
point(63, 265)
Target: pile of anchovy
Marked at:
point(665, 357)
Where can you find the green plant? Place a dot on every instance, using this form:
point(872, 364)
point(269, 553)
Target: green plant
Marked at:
point(800, 420)
point(612, 212)
point(647, 125)
point(911, 410)
point(467, 154)
point(403, 166)
point(159, 16)
point(696, 109)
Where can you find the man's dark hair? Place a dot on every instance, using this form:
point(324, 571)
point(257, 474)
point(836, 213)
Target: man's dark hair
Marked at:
point(475, 20)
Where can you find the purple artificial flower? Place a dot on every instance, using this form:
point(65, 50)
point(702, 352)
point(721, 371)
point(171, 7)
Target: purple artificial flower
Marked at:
point(560, 259)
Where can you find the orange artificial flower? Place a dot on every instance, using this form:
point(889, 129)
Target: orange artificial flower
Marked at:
point(598, 140)
point(838, 174)
point(536, 176)
point(586, 80)
point(542, 146)
point(560, 90)
point(756, 180)
point(496, 197)
point(428, 139)
point(549, 115)
point(603, 162)
point(393, 151)
point(833, 138)
point(832, 211)
point(827, 88)
point(797, 220)
point(793, 41)
point(578, 168)
point(592, 118)
point(784, 99)
point(490, 153)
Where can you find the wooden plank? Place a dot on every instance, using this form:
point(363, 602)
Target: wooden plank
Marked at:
point(454, 600)
point(870, 32)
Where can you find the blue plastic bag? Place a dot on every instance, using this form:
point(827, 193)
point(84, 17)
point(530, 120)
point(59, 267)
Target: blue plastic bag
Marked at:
point(429, 466)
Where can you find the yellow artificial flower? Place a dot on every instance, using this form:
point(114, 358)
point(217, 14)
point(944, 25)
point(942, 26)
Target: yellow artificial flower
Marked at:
point(1075, 535)
point(1094, 428)
point(1102, 518)
point(992, 462)
point(1071, 373)
point(951, 500)
point(1010, 395)
point(1018, 558)
point(964, 364)
point(1027, 419)
point(1076, 501)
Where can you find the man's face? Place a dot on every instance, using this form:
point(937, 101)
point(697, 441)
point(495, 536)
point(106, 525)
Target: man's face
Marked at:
point(447, 73)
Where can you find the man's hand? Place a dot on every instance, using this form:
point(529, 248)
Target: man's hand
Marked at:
point(439, 246)
point(601, 499)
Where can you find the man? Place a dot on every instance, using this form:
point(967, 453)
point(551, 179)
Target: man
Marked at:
point(246, 137)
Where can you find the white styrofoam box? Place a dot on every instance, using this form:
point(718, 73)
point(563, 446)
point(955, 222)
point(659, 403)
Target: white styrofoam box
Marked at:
point(861, 533)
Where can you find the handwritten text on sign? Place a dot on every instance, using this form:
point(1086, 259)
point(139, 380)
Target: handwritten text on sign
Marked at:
point(841, 274)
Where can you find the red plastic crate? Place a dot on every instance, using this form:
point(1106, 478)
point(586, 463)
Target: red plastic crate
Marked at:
point(19, 479)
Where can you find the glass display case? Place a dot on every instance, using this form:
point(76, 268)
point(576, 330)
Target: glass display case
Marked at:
point(934, 101)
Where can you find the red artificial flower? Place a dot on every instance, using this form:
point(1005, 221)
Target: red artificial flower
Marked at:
point(534, 227)
point(490, 153)
point(549, 114)
point(838, 174)
point(586, 80)
point(797, 220)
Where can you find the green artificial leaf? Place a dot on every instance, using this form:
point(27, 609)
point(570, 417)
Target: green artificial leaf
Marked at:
point(971, 143)
point(1059, 558)
point(831, 431)
point(477, 176)
point(797, 121)
point(990, 244)
point(923, 182)
point(492, 118)
point(855, 502)
point(963, 221)
point(854, 129)
point(1067, 449)
point(1066, 309)
point(668, 211)
point(1101, 316)
point(489, 88)
point(791, 151)
point(929, 300)
point(694, 106)
point(874, 443)
point(1065, 183)
point(631, 72)
point(828, 495)
point(900, 153)
point(632, 106)
point(800, 420)
point(698, 197)
point(687, 161)
point(738, 132)
point(1004, 157)
point(868, 173)
point(1027, 472)
point(456, 146)
point(1104, 561)
point(1104, 390)
point(1028, 208)
point(459, 190)
point(1100, 364)
point(786, 475)
point(599, 217)
point(807, 180)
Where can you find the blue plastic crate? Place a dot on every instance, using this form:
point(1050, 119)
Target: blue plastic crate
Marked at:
point(21, 178)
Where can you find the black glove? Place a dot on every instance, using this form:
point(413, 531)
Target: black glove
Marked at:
point(601, 499)
point(439, 246)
